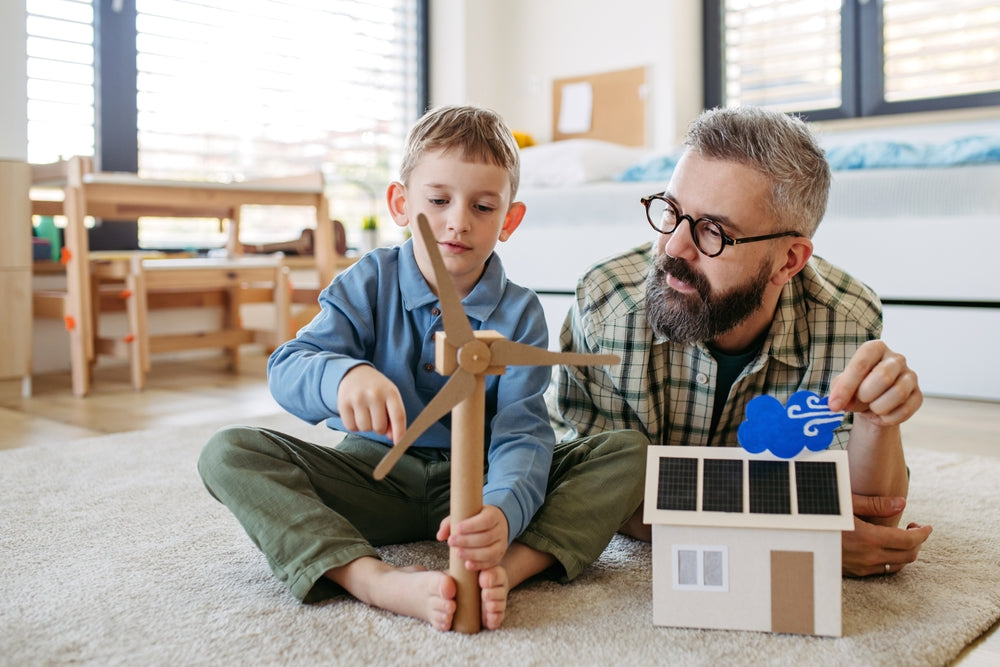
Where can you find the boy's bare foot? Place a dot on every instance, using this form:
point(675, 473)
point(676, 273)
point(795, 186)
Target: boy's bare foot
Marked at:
point(411, 591)
point(494, 587)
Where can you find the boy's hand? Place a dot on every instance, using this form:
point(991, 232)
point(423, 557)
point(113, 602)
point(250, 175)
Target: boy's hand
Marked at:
point(480, 540)
point(369, 401)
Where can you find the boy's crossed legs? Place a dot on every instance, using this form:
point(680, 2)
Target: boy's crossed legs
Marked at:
point(266, 478)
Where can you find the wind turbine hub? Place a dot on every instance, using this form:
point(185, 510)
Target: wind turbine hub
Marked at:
point(474, 357)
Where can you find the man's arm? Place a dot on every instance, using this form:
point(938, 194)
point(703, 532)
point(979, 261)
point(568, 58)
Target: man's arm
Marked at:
point(882, 392)
point(579, 408)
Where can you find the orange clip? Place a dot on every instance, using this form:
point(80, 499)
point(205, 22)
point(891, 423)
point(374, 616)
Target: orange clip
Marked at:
point(124, 294)
point(128, 338)
point(70, 322)
point(65, 256)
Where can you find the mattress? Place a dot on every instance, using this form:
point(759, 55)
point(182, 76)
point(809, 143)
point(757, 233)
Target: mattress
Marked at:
point(912, 234)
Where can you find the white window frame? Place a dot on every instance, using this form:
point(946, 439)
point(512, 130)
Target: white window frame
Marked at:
point(700, 551)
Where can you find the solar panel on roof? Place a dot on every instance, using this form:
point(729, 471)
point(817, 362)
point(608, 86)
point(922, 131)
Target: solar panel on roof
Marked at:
point(678, 484)
point(816, 486)
point(770, 492)
point(723, 485)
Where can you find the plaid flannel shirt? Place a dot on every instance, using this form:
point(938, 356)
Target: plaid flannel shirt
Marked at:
point(666, 390)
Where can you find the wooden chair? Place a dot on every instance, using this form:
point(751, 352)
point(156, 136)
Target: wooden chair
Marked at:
point(140, 282)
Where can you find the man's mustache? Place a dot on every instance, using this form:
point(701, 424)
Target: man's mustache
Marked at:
point(665, 264)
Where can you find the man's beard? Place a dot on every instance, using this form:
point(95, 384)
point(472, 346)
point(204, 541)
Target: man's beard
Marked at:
point(687, 318)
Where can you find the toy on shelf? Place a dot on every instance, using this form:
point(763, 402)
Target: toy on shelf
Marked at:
point(468, 356)
point(749, 538)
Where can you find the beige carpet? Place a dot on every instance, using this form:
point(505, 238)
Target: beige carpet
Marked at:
point(112, 553)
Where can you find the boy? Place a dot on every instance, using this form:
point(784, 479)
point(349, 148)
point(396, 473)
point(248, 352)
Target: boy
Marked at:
point(365, 364)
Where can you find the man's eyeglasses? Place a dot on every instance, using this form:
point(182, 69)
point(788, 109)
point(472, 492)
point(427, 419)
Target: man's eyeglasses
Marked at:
point(708, 235)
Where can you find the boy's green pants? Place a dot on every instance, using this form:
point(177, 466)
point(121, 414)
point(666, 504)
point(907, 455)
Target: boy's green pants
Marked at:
point(311, 508)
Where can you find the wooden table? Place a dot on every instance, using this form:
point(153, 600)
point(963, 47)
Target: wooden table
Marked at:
point(72, 189)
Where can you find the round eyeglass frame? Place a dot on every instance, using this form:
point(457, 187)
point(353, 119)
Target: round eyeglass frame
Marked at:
point(726, 239)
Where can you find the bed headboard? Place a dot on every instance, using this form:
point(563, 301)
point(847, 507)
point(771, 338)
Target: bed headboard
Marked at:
point(617, 107)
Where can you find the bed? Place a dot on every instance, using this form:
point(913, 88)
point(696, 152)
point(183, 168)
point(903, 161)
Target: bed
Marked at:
point(921, 230)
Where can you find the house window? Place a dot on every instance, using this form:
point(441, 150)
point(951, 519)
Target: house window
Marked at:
point(703, 568)
point(838, 59)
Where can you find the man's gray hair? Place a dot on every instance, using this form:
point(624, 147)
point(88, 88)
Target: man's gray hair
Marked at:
point(779, 146)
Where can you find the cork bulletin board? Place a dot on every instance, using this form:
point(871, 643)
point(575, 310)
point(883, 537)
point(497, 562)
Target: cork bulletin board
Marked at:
point(610, 106)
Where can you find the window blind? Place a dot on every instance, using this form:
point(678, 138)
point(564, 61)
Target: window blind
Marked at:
point(243, 89)
point(935, 49)
point(251, 88)
point(60, 47)
point(843, 58)
point(783, 54)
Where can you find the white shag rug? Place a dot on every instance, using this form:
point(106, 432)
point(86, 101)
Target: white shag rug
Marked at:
point(113, 553)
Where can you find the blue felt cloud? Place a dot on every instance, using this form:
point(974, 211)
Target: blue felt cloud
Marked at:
point(805, 422)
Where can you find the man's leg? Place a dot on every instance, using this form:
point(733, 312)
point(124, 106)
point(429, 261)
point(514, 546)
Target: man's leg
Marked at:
point(636, 527)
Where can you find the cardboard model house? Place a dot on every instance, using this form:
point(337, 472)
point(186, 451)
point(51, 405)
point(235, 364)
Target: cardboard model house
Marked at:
point(751, 540)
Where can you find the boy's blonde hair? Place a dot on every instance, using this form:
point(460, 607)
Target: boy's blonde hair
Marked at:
point(479, 134)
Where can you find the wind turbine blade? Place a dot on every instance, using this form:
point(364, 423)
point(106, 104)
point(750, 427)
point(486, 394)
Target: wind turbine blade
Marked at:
point(455, 390)
point(456, 324)
point(509, 353)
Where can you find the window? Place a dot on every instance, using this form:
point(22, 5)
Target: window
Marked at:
point(244, 90)
point(223, 90)
point(704, 568)
point(837, 59)
point(60, 47)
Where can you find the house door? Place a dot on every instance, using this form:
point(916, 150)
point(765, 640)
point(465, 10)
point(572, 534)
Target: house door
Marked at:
point(792, 592)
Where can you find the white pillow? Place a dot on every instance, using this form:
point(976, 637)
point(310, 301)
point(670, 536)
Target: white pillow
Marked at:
point(576, 161)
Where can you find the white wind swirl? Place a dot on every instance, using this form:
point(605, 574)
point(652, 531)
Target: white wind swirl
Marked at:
point(816, 412)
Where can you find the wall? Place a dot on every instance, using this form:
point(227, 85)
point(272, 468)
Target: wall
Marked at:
point(15, 254)
point(504, 54)
point(13, 82)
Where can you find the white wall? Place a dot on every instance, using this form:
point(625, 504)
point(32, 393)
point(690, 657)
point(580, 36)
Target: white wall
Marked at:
point(504, 54)
point(13, 81)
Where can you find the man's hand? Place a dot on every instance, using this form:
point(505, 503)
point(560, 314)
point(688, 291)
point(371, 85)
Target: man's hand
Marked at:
point(870, 547)
point(480, 540)
point(369, 401)
point(877, 385)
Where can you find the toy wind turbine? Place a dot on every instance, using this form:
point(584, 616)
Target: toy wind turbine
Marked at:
point(468, 356)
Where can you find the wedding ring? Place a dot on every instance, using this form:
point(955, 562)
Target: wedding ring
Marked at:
point(887, 566)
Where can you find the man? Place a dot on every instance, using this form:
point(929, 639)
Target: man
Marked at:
point(728, 303)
